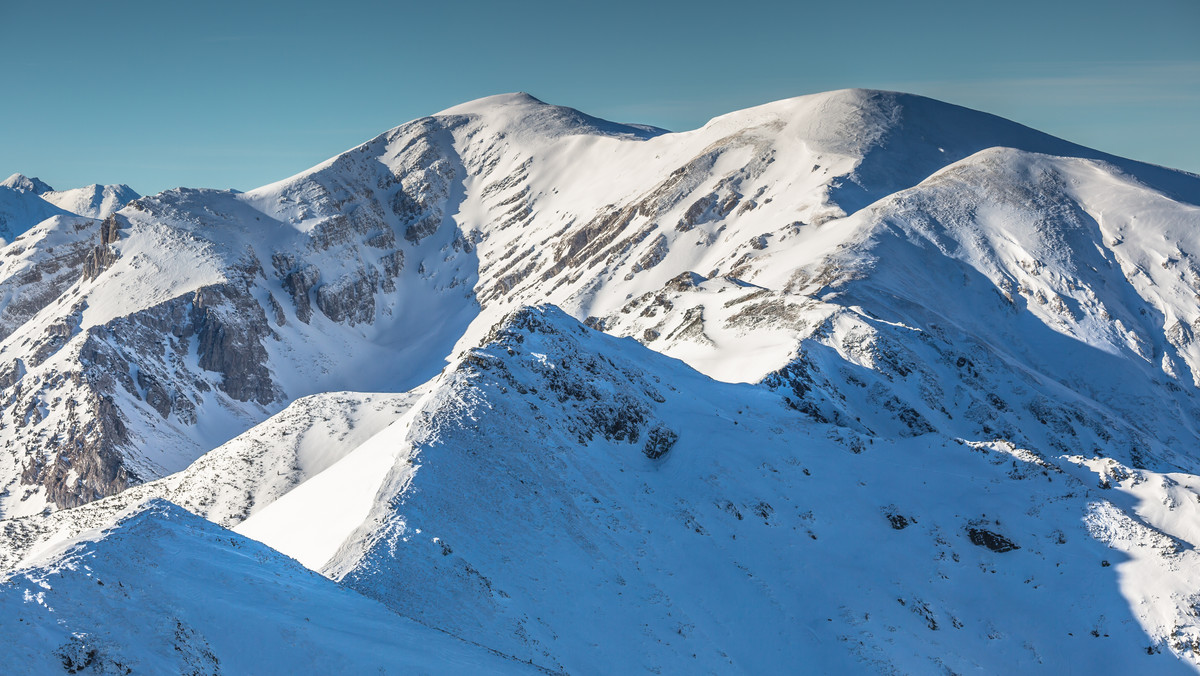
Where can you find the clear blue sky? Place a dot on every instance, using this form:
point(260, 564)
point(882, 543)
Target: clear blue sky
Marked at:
point(237, 94)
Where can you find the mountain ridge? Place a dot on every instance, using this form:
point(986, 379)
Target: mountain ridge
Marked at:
point(420, 199)
point(805, 342)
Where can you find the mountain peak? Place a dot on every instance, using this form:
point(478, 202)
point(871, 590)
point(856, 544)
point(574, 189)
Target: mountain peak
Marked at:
point(94, 201)
point(525, 114)
point(491, 103)
point(26, 184)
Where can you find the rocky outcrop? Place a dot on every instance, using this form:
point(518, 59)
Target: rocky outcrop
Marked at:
point(230, 327)
point(297, 280)
point(350, 298)
point(623, 413)
point(87, 464)
point(659, 442)
point(103, 255)
point(982, 537)
point(421, 201)
point(74, 413)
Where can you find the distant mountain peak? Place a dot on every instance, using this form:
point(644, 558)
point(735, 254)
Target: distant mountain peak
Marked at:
point(26, 184)
point(93, 201)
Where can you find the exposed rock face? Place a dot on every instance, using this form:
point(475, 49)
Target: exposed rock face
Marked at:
point(102, 256)
point(230, 328)
point(350, 298)
point(297, 282)
point(37, 271)
point(90, 465)
point(221, 325)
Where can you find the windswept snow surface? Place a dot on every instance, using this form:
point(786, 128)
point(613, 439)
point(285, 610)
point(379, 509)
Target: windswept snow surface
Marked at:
point(888, 385)
point(165, 591)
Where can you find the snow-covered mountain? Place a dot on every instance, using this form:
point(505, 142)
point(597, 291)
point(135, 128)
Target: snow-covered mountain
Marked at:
point(25, 202)
point(915, 389)
point(628, 502)
point(21, 206)
point(23, 183)
point(93, 201)
point(383, 256)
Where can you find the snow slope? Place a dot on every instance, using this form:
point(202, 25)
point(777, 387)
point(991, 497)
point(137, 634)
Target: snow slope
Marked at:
point(165, 591)
point(630, 503)
point(234, 480)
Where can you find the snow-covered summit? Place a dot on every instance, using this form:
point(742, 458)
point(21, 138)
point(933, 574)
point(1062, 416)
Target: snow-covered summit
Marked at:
point(93, 201)
point(523, 114)
point(21, 208)
point(523, 101)
point(26, 184)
